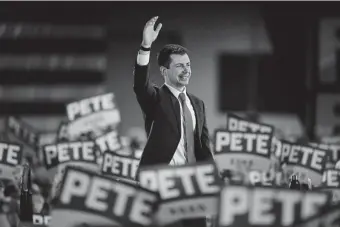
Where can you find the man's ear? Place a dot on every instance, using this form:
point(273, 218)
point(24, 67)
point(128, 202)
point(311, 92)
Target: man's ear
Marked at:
point(163, 70)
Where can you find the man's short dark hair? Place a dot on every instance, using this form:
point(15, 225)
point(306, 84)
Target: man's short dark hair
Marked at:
point(163, 56)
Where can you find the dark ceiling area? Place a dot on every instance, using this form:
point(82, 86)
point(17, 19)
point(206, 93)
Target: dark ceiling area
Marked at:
point(93, 12)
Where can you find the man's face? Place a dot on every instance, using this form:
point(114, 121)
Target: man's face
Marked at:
point(179, 71)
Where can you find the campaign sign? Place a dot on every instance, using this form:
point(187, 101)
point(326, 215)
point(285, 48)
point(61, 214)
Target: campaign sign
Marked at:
point(22, 133)
point(329, 217)
point(331, 182)
point(81, 153)
point(235, 149)
point(334, 150)
point(276, 147)
point(86, 197)
point(92, 114)
point(10, 160)
point(304, 160)
point(263, 206)
point(40, 220)
point(45, 138)
point(187, 191)
point(110, 142)
point(120, 166)
point(238, 124)
point(266, 178)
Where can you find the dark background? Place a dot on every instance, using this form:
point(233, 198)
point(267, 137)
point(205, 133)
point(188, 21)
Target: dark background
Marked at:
point(250, 57)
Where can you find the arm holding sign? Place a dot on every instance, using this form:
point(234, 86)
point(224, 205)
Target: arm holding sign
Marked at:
point(145, 92)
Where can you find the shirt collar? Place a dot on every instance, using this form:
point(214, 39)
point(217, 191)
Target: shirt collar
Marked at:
point(175, 92)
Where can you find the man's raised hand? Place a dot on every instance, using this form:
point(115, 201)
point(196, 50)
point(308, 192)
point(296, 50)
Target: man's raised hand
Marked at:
point(149, 33)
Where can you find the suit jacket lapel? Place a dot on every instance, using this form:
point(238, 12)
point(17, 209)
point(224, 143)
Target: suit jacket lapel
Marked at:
point(198, 113)
point(171, 108)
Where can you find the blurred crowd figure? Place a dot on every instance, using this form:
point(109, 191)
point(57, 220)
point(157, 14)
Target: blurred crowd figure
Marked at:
point(134, 140)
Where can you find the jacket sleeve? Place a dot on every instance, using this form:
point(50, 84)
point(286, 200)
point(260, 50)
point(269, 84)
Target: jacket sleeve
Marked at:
point(145, 92)
point(205, 138)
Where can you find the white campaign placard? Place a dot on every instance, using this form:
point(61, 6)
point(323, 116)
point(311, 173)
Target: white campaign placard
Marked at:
point(304, 160)
point(188, 191)
point(93, 114)
point(11, 156)
point(80, 153)
point(10, 160)
point(238, 124)
point(249, 150)
point(40, 220)
point(121, 166)
point(334, 150)
point(262, 206)
point(266, 178)
point(88, 198)
point(110, 141)
point(45, 138)
point(21, 133)
point(331, 182)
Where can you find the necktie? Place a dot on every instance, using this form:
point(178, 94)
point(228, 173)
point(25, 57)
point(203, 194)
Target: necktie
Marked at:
point(188, 130)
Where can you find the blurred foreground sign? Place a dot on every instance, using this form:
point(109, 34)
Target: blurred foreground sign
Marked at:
point(89, 198)
point(248, 206)
point(40, 220)
point(188, 191)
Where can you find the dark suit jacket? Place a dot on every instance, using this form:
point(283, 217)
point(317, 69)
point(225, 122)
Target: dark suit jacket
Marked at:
point(161, 110)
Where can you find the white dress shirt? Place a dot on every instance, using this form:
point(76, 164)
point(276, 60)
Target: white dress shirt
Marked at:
point(179, 155)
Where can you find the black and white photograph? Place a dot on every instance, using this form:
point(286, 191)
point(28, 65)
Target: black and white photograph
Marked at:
point(169, 113)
